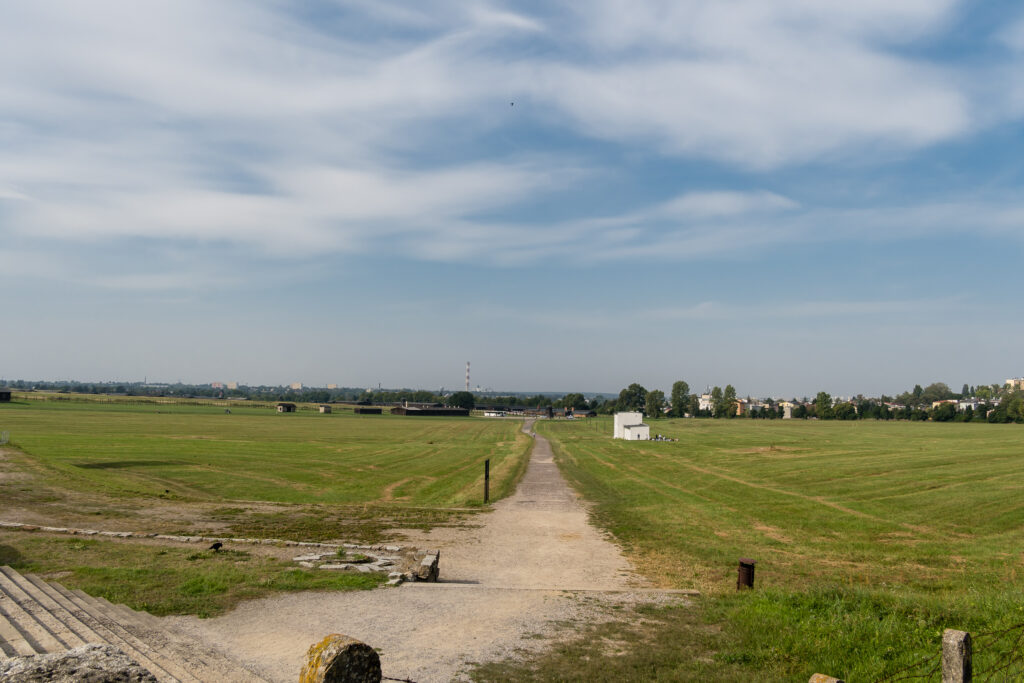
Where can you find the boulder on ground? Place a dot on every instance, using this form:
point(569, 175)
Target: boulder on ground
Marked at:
point(87, 663)
point(428, 569)
point(340, 659)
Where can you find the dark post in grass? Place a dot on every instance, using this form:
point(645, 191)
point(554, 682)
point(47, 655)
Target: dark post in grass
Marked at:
point(487, 480)
point(956, 657)
point(745, 578)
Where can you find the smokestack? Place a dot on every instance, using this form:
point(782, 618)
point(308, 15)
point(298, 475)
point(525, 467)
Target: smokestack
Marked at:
point(467, 375)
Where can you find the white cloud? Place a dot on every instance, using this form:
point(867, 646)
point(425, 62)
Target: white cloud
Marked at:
point(759, 84)
point(238, 123)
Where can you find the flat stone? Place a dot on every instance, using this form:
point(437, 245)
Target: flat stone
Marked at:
point(92, 663)
point(335, 566)
point(54, 529)
point(306, 558)
point(307, 565)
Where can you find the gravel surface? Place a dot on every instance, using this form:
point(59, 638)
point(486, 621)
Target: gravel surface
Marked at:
point(533, 565)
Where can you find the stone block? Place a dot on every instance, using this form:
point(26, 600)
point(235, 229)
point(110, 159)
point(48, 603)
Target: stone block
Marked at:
point(340, 659)
point(957, 664)
point(428, 569)
point(86, 663)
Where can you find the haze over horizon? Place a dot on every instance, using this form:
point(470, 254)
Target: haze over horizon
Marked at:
point(784, 196)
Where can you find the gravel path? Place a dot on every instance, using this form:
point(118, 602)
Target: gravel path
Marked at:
point(526, 567)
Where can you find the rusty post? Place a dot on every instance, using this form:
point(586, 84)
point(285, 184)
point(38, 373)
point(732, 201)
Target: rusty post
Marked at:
point(956, 657)
point(487, 480)
point(745, 577)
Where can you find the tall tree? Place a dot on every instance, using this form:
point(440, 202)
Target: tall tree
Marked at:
point(680, 398)
point(729, 400)
point(823, 406)
point(655, 404)
point(936, 391)
point(716, 402)
point(462, 399)
point(573, 401)
point(632, 398)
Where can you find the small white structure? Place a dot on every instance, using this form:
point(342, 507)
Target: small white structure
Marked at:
point(631, 426)
point(640, 432)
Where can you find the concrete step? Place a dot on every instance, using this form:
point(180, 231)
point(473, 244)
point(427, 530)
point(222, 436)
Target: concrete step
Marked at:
point(80, 618)
point(65, 637)
point(13, 641)
point(93, 612)
point(37, 616)
point(201, 661)
point(30, 625)
point(81, 630)
point(190, 658)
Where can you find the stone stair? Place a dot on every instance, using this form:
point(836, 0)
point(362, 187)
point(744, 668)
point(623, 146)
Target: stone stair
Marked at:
point(38, 617)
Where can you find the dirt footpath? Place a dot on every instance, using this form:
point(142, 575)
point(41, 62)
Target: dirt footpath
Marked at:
point(534, 561)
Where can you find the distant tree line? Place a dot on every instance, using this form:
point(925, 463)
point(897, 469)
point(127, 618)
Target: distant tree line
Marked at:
point(937, 402)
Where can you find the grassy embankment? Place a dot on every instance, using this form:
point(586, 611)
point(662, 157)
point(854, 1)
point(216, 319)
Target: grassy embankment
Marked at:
point(870, 539)
point(197, 470)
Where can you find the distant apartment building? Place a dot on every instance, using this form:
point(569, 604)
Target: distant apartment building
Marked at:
point(787, 409)
point(332, 386)
point(232, 385)
point(217, 385)
point(1015, 384)
point(705, 402)
point(295, 386)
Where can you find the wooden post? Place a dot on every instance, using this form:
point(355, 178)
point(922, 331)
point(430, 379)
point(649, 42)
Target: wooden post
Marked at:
point(956, 657)
point(487, 480)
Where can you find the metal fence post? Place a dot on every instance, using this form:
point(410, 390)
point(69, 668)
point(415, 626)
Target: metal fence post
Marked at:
point(956, 657)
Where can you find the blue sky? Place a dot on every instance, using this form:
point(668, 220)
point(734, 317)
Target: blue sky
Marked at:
point(789, 196)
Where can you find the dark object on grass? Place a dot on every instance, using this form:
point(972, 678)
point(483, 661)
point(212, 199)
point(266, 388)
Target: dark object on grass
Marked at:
point(745, 577)
point(216, 546)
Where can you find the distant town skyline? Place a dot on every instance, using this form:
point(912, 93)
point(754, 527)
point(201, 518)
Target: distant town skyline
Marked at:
point(785, 196)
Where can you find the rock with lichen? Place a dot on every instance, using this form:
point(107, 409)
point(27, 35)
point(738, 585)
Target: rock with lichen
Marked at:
point(340, 659)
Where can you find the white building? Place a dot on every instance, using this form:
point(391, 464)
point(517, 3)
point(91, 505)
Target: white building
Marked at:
point(631, 426)
point(705, 402)
point(640, 432)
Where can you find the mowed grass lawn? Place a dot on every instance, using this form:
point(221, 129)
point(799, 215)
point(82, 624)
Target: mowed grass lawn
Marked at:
point(197, 470)
point(870, 538)
point(201, 453)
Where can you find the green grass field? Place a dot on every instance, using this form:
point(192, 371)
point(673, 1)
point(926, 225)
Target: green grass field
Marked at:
point(870, 538)
point(195, 469)
point(202, 453)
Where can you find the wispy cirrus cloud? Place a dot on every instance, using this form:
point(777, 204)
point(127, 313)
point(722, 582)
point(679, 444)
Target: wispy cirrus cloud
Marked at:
point(368, 127)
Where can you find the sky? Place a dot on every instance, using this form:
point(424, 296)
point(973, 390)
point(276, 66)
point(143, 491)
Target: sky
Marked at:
point(788, 196)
